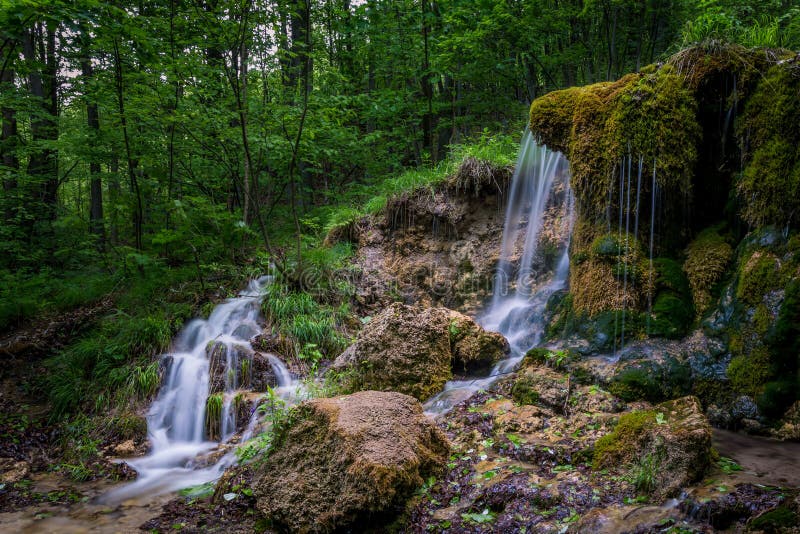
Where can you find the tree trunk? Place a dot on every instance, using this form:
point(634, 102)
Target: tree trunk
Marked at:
point(43, 163)
point(138, 212)
point(96, 225)
point(8, 147)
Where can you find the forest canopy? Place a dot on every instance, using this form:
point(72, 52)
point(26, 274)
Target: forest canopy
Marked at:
point(188, 132)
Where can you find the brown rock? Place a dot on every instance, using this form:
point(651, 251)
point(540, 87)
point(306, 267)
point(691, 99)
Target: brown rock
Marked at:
point(412, 350)
point(12, 471)
point(126, 448)
point(348, 461)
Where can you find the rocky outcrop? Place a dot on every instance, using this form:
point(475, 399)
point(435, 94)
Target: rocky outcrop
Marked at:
point(414, 350)
point(348, 461)
point(670, 445)
point(433, 247)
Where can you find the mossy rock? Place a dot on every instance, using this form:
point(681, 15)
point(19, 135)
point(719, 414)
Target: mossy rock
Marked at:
point(781, 519)
point(541, 385)
point(707, 258)
point(675, 435)
point(770, 184)
point(414, 350)
point(672, 316)
point(524, 392)
point(652, 381)
point(616, 446)
point(749, 373)
point(348, 463)
point(759, 275)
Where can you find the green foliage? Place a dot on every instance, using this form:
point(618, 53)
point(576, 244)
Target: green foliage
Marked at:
point(278, 417)
point(644, 473)
point(303, 321)
point(727, 465)
point(214, 404)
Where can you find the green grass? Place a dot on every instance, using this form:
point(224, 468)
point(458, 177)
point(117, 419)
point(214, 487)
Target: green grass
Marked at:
point(369, 199)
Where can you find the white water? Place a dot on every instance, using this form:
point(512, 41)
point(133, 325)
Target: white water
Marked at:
point(176, 422)
point(522, 285)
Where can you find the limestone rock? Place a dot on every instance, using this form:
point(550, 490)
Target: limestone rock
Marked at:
point(412, 350)
point(348, 461)
point(12, 471)
point(674, 436)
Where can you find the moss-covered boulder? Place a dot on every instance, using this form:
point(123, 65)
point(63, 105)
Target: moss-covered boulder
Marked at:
point(670, 445)
point(415, 350)
point(348, 462)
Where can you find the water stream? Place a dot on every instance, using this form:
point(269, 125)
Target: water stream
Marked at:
point(205, 350)
point(523, 282)
point(211, 360)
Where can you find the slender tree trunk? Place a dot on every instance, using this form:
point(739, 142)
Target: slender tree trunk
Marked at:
point(96, 225)
point(138, 213)
point(8, 147)
point(42, 163)
point(426, 85)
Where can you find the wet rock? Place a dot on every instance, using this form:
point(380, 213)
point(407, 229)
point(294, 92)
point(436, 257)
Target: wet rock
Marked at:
point(262, 374)
point(12, 471)
point(790, 424)
point(473, 348)
point(348, 461)
point(229, 365)
point(729, 509)
point(674, 439)
point(537, 384)
point(125, 449)
point(412, 350)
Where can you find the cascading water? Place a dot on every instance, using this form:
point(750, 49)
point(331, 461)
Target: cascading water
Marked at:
point(540, 196)
point(206, 355)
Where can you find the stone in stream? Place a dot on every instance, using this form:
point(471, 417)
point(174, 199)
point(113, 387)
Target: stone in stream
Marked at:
point(349, 461)
point(250, 370)
point(671, 444)
point(414, 350)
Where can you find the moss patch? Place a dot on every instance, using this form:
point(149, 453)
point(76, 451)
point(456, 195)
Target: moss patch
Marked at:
point(770, 184)
point(619, 446)
point(707, 257)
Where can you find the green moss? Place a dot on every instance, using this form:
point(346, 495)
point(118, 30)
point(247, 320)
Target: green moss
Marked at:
point(672, 316)
point(749, 373)
point(775, 520)
point(652, 381)
point(758, 276)
point(619, 446)
point(777, 397)
point(655, 117)
point(523, 392)
point(551, 118)
point(769, 187)
point(707, 258)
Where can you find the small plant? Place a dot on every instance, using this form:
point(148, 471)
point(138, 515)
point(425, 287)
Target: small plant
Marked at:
point(644, 474)
point(728, 466)
point(483, 518)
point(214, 415)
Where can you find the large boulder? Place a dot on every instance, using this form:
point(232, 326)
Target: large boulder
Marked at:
point(414, 350)
point(347, 461)
point(669, 446)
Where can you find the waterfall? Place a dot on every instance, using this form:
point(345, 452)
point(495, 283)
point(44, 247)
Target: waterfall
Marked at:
point(540, 199)
point(207, 356)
